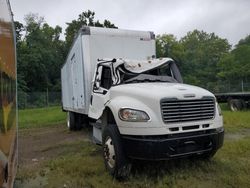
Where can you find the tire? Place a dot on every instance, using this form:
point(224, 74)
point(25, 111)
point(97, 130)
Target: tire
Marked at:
point(76, 121)
point(244, 104)
point(71, 121)
point(83, 121)
point(115, 159)
point(236, 104)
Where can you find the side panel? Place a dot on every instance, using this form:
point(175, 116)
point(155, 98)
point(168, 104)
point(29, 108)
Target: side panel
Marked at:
point(66, 86)
point(73, 96)
point(8, 115)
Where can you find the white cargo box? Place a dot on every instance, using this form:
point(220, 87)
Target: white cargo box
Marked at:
point(91, 44)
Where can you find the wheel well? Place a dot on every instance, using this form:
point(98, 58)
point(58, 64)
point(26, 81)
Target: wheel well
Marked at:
point(107, 117)
point(110, 117)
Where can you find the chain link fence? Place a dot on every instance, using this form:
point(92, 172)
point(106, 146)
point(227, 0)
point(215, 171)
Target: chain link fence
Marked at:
point(233, 86)
point(38, 99)
point(50, 98)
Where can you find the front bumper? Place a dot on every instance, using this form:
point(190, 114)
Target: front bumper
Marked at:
point(172, 146)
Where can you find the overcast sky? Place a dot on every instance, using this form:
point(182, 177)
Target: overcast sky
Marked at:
point(227, 18)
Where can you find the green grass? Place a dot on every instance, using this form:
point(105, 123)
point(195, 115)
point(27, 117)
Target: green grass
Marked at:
point(40, 117)
point(235, 121)
point(81, 164)
point(83, 167)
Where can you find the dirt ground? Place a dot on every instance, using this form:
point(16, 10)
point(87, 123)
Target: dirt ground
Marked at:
point(41, 144)
point(38, 145)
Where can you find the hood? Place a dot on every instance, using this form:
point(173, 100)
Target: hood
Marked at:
point(159, 91)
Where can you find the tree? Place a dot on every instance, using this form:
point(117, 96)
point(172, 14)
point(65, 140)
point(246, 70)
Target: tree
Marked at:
point(19, 30)
point(167, 45)
point(22, 87)
point(245, 41)
point(86, 18)
point(40, 54)
point(197, 54)
point(203, 52)
point(235, 66)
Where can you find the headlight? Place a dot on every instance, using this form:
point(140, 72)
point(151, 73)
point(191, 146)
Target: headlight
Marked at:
point(127, 114)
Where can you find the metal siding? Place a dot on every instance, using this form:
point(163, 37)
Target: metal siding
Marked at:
point(88, 76)
point(80, 82)
point(70, 78)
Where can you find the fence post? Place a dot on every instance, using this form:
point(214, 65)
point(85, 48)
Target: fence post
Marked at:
point(47, 97)
point(242, 85)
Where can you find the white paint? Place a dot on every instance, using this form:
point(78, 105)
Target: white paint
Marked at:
point(146, 97)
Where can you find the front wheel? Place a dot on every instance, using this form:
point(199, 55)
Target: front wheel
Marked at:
point(115, 159)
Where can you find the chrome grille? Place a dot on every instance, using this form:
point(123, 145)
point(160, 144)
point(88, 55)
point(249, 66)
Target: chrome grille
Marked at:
point(174, 110)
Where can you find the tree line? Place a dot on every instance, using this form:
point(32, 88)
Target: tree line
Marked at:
point(204, 58)
point(207, 60)
point(41, 52)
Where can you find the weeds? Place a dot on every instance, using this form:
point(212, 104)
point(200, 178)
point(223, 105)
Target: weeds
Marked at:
point(80, 164)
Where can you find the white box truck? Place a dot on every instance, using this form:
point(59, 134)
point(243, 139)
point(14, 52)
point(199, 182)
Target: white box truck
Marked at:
point(138, 105)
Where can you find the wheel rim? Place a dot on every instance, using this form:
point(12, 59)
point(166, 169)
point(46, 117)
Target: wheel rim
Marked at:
point(109, 152)
point(233, 107)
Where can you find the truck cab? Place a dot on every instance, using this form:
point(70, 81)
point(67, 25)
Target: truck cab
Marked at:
point(146, 112)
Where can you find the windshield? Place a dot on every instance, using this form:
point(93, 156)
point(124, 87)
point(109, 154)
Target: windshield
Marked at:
point(159, 74)
point(124, 71)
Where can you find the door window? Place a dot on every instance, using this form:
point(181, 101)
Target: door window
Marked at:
point(106, 78)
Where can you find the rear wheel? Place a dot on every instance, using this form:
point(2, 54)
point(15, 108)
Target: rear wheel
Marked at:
point(82, 121)
point(236, 104)
point(115, 159)
point(76, 121)
point(71, 121)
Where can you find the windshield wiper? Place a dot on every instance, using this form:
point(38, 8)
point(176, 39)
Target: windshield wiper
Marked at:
point(150, 78)
point(133, 81)
point(144, 80)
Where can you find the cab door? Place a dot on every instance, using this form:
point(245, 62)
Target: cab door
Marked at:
point(100, 91)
